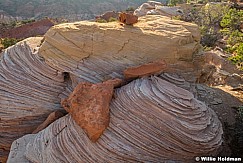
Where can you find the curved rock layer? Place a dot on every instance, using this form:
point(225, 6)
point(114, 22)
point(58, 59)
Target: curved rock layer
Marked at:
point(151, 120)
point(96, 52)
point(29, 91)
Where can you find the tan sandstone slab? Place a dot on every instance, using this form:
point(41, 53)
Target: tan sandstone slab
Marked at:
point(94, 50)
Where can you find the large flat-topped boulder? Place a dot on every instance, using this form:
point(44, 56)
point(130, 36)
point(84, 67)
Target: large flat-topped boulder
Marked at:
point(97, 50)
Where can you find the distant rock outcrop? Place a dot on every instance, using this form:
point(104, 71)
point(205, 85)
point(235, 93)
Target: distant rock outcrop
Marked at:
point(157, 8)
point(33, 29)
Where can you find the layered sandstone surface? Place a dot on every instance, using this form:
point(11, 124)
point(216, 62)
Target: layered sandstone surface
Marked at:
point(29, 91)
point(97, 51)
point(151, 120)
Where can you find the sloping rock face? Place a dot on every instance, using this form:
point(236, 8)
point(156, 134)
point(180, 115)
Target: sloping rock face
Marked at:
point(97, 51)
point(151, 121)
point(29, 91)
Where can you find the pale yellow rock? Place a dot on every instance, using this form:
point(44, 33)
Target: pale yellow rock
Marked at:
point(71, 47)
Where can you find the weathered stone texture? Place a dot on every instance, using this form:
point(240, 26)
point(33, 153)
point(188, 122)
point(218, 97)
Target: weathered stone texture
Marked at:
point(97, 51)
point(151, 121)
point(29, 91)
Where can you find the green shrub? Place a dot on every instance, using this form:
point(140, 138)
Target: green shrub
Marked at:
point(235, 37)
point(27, 21)
point(7, 42)
point(231, 23)
point(101, 20)
point(232, 19)
point(208, 19)
point(112, 19)
point(237, 58)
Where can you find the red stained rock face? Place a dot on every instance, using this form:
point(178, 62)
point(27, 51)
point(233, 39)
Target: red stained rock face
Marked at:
point(145, 70)
point(89, 106)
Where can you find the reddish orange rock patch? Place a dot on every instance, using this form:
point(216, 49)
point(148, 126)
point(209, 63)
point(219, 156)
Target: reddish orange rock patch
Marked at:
point(145, 70)
point(89, 104)
point(128, 18)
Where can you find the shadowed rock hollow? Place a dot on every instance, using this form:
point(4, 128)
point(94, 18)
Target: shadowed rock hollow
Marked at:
point(150, 119)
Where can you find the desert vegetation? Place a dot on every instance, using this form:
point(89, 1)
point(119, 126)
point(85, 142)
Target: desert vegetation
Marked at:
point(7, 42)
point(219, 23)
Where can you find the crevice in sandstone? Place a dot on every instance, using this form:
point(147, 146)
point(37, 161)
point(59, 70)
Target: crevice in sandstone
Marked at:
point(123, 46)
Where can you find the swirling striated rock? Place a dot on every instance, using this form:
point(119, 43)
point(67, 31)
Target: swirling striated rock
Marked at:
point(151, 120)
point(89, 106)
point(29, 91)
point(95, 52)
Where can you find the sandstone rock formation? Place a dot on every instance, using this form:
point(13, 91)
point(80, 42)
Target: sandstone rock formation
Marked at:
point(95, 52)
point(151, 121)
point(29, 91)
